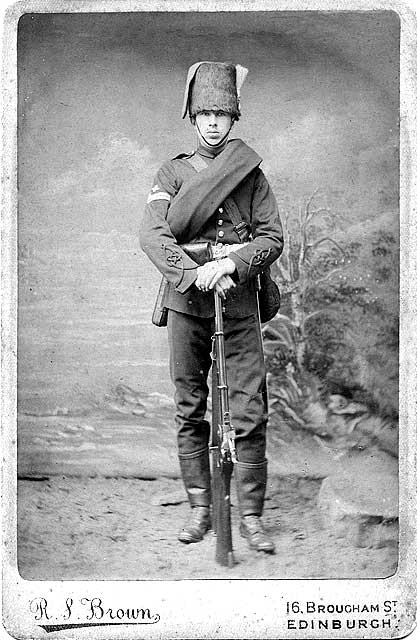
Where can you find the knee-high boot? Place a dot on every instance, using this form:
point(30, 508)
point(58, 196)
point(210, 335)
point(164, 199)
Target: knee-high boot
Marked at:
point(250, 489)
point(195, 471)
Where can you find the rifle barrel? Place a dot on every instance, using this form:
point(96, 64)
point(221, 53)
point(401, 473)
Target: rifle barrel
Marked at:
point(222, 445)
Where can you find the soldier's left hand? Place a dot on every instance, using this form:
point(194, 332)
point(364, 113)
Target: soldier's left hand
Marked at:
point(209, 274)
point(223, 285)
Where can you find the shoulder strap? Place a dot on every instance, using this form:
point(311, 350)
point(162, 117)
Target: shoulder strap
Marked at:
point(239, 225)
point(197, 163)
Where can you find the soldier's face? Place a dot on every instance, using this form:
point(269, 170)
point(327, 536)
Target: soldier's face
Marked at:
point(213, 126)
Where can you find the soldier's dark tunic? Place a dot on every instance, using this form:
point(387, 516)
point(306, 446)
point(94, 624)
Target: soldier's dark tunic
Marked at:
point(191, 312)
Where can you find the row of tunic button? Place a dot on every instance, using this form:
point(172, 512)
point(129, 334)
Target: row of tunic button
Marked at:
point(220, 234)
point(220, 222)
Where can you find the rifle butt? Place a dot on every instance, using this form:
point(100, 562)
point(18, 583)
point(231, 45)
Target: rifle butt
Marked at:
point(222, 515)
point(215, 490)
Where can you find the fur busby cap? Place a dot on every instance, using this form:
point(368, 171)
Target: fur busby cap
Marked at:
point(213, 86)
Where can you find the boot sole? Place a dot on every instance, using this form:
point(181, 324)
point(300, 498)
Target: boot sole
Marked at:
point(254, 547)
point(188, 538)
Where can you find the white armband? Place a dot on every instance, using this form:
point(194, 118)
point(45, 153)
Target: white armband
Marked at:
point(159, 195)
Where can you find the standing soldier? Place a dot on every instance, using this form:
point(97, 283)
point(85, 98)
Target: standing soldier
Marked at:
point(217, 194)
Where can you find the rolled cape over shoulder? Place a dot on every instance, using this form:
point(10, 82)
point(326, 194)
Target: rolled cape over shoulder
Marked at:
point(199, 198)
point(213, 86)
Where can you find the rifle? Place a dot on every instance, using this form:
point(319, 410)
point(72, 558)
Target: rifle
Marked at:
point(222, 444)
point(222, 437)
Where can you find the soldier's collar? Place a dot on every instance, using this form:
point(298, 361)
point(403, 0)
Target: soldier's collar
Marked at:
point(210, 153)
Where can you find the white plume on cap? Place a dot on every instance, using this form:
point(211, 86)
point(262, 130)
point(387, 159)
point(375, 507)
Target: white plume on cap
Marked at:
point(241, 73)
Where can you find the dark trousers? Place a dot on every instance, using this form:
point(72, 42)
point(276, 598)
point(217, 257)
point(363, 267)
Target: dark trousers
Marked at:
point(190, 342)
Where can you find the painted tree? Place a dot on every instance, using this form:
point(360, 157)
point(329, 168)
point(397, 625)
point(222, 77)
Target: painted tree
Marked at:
point(333, 277)
point(311, 257)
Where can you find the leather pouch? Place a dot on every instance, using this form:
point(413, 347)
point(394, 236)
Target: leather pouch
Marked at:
point(200, 252)
point(269, 297)
point(160, 311)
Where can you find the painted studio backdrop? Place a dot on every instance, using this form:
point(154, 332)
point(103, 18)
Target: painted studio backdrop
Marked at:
point(100, 99)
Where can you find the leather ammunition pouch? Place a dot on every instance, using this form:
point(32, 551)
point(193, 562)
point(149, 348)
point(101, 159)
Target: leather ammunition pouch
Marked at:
point(269, 296)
